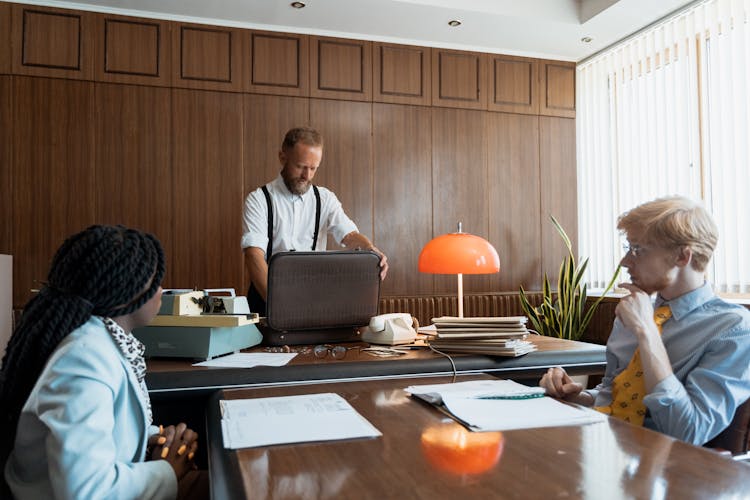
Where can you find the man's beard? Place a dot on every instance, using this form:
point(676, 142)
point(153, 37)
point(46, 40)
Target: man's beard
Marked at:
point(295, 186)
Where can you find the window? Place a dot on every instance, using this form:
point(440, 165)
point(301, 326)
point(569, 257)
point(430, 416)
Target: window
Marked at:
point(666, 112)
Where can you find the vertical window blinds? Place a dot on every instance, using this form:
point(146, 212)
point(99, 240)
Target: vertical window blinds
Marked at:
point(666, 112)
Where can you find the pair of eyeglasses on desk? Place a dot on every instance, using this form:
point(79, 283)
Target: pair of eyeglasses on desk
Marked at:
point(336, 351)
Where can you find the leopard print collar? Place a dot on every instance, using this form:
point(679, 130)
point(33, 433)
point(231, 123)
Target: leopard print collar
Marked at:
point(133, 350)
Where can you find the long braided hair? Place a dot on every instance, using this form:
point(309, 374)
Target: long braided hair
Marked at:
point(101, 271)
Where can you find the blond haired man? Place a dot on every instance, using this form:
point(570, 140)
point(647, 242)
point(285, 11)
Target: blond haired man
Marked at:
point(691, 359)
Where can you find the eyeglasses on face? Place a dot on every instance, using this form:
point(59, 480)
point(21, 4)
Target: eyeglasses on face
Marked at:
point(634, 250)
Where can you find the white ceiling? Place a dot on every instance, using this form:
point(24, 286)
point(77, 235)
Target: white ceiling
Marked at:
point(550, 29)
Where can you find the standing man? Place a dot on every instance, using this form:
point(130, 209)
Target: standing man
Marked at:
point(679, 364)
point(286, 214)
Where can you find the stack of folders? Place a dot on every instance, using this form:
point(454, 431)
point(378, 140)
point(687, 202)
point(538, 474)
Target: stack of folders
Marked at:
point(497, 336)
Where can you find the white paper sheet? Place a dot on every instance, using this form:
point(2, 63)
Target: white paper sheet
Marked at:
point(510, 414)
point(434, 393)
point(250, 359)
point(492, 405)
point(248, 423)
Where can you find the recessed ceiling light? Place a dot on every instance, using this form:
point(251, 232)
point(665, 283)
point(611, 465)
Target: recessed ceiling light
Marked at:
point(297, 5)
point(586, 39)
point(453, 23)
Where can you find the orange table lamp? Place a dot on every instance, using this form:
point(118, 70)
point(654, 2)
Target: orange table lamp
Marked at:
point(459, 253)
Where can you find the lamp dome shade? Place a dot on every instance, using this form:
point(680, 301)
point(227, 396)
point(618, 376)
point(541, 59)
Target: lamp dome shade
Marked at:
point(459, 253)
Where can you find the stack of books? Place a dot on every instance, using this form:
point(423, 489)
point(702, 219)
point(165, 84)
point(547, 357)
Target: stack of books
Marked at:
point(497, 336)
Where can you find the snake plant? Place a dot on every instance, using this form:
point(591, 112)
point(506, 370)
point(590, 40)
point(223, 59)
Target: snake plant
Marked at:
point(567, 316)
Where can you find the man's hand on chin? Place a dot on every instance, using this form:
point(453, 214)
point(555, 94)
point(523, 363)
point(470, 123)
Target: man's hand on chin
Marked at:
point(635, 310)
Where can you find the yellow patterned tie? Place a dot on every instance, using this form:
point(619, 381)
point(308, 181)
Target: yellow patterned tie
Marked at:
point(628, 388)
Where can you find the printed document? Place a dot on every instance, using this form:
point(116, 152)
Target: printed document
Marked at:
point(248, 423)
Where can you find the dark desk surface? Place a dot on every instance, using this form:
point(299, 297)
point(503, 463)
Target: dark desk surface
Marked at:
point(172, 375)
point(422, 454)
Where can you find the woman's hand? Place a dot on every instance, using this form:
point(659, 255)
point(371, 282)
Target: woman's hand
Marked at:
point(177, 445)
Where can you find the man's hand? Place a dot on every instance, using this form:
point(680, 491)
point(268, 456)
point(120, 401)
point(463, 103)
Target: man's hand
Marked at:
point(637, 315)
point(636, 311)
point(358, 241)
point(558, 384)
point(383, 263)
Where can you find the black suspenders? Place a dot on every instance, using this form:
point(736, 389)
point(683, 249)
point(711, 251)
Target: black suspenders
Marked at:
point(270, 223)
point(317, 217)
point(270, 220)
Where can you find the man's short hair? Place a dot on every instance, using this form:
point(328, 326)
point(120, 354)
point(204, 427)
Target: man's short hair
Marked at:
point(673, 222)
point(305, 135)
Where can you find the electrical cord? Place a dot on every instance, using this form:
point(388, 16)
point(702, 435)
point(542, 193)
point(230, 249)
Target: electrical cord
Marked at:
point(455, 372)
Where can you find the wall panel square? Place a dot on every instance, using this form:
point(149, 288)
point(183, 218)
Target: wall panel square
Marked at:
point(402, 74)
point(134, 182)
point(52, 42)
point(557, 157)
point(514, 199)
point(341, 69)
point(459, 79)
point(459, 184)
point(402, 173)
point(133, 50)
point(207, 189)
point(207, 57)
point(513, 85)
point(557, 81)
point(278, 64)
point(53, 175)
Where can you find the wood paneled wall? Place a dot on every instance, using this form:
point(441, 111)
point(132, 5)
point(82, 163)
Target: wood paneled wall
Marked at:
point(167, 126)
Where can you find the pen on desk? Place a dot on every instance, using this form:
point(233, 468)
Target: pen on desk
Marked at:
point(514, 396)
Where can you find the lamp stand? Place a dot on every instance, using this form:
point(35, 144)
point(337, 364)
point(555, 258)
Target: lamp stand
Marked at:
point(460, 295)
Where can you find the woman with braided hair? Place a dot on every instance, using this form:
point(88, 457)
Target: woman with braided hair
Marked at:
point(74, 406)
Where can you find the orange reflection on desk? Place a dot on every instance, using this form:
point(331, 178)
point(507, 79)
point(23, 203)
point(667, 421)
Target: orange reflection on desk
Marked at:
point(451, 448)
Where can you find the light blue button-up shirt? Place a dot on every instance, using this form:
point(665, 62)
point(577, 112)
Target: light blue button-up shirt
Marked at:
point(708, 343)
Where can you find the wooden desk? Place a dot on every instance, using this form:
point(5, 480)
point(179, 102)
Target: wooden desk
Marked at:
point(179, 376)
point(415, 458)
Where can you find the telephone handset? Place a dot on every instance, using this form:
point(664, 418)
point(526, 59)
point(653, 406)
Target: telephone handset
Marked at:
point(391, 329)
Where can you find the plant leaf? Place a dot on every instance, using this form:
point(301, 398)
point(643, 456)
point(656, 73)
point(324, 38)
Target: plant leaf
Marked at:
point(565, 316)
point(563, 234)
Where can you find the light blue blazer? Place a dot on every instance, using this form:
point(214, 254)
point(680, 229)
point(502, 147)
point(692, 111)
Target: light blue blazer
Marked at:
point(82, 433)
